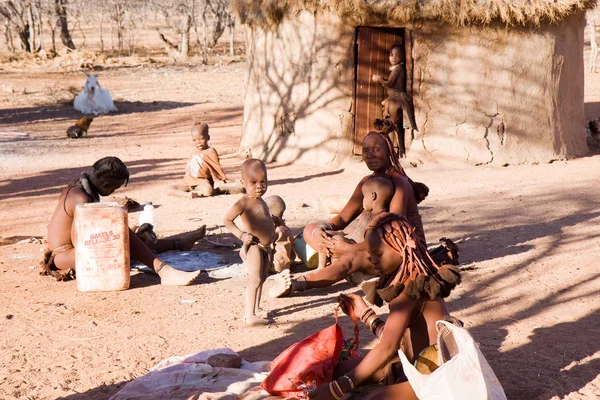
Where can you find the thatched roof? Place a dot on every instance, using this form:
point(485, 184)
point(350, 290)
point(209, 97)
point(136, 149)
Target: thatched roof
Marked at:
point(454, 12)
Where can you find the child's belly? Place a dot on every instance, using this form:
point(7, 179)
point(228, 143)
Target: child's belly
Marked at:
point(262, 228)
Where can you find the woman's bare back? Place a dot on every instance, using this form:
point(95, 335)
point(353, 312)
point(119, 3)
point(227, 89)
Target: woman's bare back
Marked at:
point(59, 228)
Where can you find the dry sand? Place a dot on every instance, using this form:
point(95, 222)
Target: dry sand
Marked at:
point(531, 237)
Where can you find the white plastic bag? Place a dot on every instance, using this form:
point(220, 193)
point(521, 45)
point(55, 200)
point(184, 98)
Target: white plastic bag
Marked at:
point(466, 376)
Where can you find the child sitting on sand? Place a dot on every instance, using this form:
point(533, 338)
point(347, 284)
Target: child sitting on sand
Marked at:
point(284, 253)
point(203, 168)
point(258, 237)
point(377, 193)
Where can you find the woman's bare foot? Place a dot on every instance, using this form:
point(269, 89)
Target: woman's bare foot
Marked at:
point(170, 276)
point(187, 240)
point(283, 284)
point(253, 320)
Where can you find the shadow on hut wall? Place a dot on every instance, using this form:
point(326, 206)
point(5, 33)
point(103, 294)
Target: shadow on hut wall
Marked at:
point(311, 76)
point(484, 94)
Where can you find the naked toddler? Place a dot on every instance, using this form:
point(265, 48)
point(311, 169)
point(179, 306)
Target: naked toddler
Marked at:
point(377, 193)
point(258, 237)
point(284, 253)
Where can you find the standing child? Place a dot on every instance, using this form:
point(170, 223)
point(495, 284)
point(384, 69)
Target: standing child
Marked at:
point(399, 101)
point(203, 168)
point(284, 253)
point(258, 237)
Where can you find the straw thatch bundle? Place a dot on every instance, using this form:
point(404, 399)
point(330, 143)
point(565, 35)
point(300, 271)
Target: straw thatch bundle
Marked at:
point(454, 12)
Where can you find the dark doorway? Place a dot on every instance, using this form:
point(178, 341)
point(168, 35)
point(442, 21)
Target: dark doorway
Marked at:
point(372, 58)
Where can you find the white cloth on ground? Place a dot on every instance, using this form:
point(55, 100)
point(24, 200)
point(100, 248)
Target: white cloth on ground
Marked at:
point(182, 377)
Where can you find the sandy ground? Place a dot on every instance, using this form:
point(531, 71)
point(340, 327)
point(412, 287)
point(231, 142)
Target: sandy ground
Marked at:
point(530, 237)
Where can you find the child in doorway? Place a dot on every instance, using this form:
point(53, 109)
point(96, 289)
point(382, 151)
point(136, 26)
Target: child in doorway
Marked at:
point(258, 237)
point(377, 193)
point(284, 253)
point(398, 101)
point(203, 168)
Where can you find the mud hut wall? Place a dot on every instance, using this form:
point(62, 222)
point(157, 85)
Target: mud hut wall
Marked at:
point(499, 95)
point(299, 89)
point(570, 111)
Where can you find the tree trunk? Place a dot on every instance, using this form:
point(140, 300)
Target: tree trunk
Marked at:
point(61, 12)
point(8, 39)
point(231, 32)
point(101, 36)
point(24, 36)
point(119, 20)
point(31, 30)
point(195, 22)
point(53, 36)
point(185, 36)
point(205, 41)
point(218, 29)
point(40, 27)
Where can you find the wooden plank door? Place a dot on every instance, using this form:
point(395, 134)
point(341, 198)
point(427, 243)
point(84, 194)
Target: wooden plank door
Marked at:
point(372, 58)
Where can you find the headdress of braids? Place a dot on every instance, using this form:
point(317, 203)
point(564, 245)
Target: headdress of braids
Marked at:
point(418, 273)
point(107, 168)
point(384, 127)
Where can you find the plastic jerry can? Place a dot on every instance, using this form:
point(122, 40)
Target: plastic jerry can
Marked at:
point(101, 247)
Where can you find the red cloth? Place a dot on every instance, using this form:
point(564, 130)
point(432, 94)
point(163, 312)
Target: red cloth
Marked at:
point(312, 359)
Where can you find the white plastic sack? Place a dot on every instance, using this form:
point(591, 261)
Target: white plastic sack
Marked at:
point(466, 376)
point(94, 99)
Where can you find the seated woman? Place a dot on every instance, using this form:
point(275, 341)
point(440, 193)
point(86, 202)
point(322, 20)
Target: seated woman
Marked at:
point(378, 153)
point(415, 288)
point(107, 175)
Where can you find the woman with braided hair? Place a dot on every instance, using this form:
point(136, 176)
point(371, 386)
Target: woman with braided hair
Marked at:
point(414, 286)
point(378, 153)
point(106, 175)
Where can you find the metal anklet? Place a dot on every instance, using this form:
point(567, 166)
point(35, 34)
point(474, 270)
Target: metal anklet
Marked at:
point(162, 264)
point(301, 284)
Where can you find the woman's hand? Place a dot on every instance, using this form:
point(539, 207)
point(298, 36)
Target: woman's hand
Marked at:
point(337, 248)
point(376, 78)
point(352, 305)
point(322, 239)
point(322, 393)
